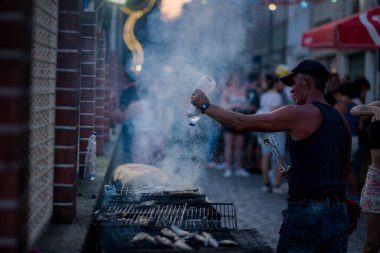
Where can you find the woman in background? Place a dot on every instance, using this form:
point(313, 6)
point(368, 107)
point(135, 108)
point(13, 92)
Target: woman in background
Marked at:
point(234, 97)
point(370, 197)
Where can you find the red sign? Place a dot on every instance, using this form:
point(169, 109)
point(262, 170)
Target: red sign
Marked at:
point(361, 30)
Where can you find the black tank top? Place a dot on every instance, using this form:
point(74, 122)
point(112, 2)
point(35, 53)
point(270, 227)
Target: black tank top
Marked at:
point(374, 135)
point(318, 160)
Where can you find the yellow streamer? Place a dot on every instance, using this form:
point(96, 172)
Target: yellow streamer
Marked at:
point(129, 37)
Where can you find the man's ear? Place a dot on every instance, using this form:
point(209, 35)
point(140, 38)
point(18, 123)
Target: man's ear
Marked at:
point(308, 83)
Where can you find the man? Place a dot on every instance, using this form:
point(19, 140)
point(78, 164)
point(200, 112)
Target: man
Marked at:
point(316, 217)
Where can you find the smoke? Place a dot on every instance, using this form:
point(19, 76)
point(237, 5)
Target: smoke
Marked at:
point(208, 39)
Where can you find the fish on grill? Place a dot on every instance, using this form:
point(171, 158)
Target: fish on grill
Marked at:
point(145, 221)
point(210, 240)
point(179, 232)
point(143, 237)
point(227, 243)
point(161, 240)
point(201, 239)
point(181, 244)
point(148, 203)
point(169, 233)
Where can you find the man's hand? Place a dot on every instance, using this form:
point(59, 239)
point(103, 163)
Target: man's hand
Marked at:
point(198, 98)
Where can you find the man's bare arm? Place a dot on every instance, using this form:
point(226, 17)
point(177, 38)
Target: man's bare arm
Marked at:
point(371, 109)
point(278, 120)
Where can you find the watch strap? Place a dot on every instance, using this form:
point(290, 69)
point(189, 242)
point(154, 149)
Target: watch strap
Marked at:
point(204, 106)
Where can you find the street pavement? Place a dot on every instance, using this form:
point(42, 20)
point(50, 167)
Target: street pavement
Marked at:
point(258, 210)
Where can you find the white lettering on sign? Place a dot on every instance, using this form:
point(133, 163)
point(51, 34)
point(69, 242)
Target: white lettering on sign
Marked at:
point(370, 28)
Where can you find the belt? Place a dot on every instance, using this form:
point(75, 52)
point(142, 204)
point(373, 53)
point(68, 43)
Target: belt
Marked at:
point(316, 199)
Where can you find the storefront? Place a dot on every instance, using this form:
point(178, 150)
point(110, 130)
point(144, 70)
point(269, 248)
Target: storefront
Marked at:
point(350, 47)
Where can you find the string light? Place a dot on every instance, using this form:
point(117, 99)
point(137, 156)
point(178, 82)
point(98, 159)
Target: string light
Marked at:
point(272, 7)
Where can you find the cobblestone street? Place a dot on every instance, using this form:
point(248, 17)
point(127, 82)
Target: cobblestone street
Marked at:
point(258, 210)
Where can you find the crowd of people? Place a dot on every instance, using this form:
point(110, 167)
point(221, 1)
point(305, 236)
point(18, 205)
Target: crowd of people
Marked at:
point(243, 151)
point(323, 154)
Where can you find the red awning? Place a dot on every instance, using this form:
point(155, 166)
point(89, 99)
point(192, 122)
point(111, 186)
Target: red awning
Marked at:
point(361, 30)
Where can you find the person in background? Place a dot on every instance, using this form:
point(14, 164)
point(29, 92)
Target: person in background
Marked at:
point(362, 158)
point(332, 86)
point(214, 137)
point(127, 97)
point(253, 98)
point(344, 96)
point(316, 218)
point(234, 98)
point(370, 196)
point(270, 101)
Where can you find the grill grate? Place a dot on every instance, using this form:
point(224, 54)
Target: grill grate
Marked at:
point(210, 216)
point(141, 213)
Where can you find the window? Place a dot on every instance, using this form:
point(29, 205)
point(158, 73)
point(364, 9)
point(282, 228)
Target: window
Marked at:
point(356, 65)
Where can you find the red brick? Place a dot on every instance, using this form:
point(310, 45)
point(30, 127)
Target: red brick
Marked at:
point(87, 82)
point(10, 184)
point(67, 97)
point(85, 132)
point(15, 108)
point(88, 43)
point(13, 148)
point(87, 120)
point(17, 30)
point(99, 93)
point(64, 194)
point(9, 220)
point(70, 5)
point(87, 107)
point(67, 137)
point(67, 117)
point(66, 156)
point(87, 95)
point(71, 21)
point(88, 69)
point(64, 175)
point(68, 79)
point(89, 30)
point(99, 112)
point(14, 73)
point(69, 40)
point(15, 5)
point(88, 56)
point(68, 60)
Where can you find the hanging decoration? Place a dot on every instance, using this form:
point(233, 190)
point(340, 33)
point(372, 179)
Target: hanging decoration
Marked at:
point(129, 37)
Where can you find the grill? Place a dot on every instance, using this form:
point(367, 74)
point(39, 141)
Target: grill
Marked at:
point(141, 213)
point(163, 214)
point(130, 211)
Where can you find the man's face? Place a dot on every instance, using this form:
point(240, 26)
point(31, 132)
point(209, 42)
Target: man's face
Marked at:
point(298, 89)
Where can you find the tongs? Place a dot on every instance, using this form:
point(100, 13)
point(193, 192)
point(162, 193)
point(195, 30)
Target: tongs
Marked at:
point(271, 144)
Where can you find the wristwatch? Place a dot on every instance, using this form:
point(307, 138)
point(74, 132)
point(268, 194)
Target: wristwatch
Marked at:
point(204, 106)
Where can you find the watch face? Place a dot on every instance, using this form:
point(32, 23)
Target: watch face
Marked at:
point(204, 107)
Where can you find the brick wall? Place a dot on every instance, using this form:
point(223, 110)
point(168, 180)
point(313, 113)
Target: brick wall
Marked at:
point(67, 109)
point(42, 115)
point(15, 50)
point(99, 94)
point(88, 78)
